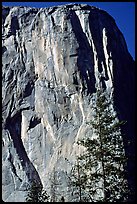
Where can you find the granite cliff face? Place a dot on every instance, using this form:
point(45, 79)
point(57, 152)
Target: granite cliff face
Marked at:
point(52, 59)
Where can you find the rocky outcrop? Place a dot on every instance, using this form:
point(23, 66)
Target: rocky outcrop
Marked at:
point(52, 59)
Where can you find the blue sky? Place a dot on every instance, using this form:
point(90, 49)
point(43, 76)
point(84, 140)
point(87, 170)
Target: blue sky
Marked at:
point(122, 12)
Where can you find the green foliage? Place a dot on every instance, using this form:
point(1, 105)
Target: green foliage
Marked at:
point(99, 171)
point(36, 193)
point(55, 186)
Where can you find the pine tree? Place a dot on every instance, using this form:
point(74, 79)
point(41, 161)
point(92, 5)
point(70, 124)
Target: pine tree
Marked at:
point(36, 193)
point(103, 162)
point(55, 185)
point(77, 179)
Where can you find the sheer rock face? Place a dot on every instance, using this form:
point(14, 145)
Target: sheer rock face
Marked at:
point(52, 58)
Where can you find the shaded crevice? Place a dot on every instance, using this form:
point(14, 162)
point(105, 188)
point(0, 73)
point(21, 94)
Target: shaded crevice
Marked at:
point(85, 59)
point(22, 60)
point(28, 89)
point(5, 13)
point(34, 122)
point(14, 126)
point(52, 10)
point(14, 26)
point(96, 28)
point(53, 22)
point(56, 119)
point(73, 55)
point(4, 49)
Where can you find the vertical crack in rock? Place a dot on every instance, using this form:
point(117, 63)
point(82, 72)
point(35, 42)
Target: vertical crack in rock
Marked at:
point(96, 28)
point(14, 126)
point(85, 60)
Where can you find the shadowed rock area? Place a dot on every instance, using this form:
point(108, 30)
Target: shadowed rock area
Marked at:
point(52, 60)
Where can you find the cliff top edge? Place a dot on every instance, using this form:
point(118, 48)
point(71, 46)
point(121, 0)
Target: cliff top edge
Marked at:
point(71, 5)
